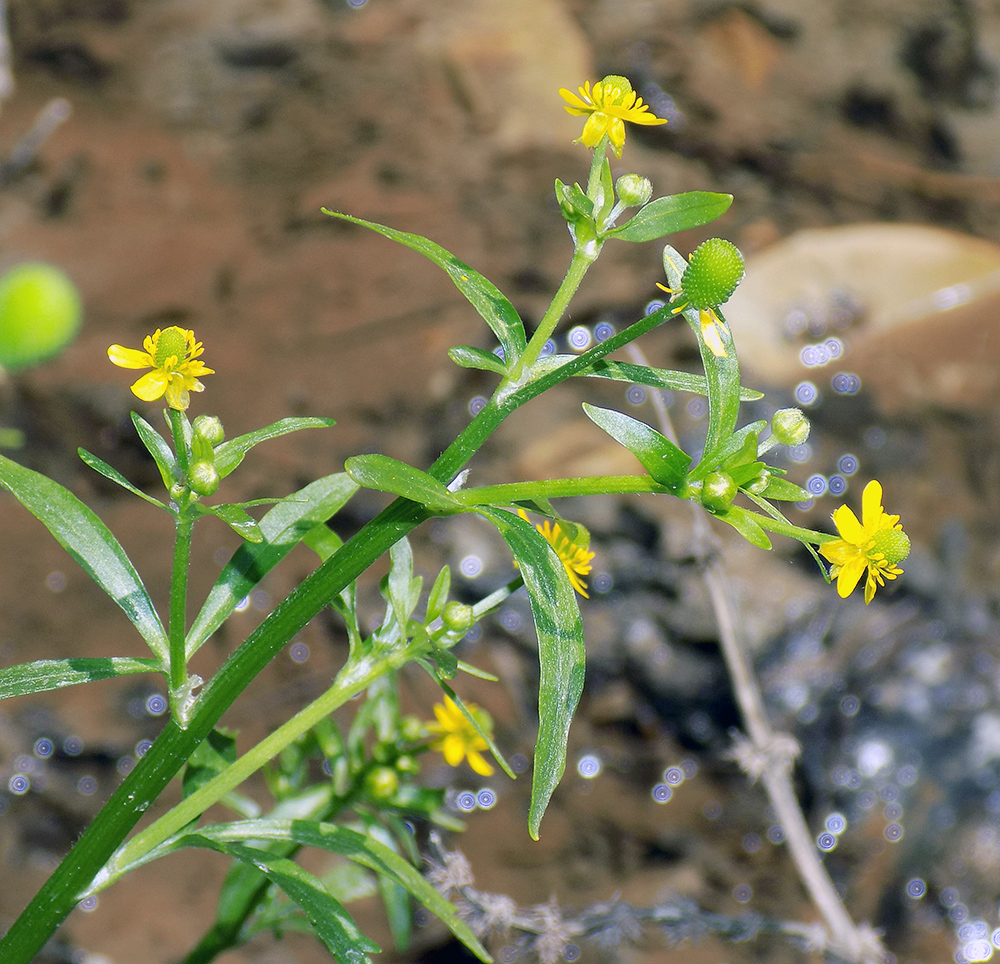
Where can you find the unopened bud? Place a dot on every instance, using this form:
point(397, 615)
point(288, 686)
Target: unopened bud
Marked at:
point(634, 190)
point(790, 426)
point(718, 491)
point(203, 477)
point(457, 617)
point(209, 427)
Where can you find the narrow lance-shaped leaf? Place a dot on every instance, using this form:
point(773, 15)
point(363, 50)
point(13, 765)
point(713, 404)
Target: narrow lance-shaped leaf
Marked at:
point(561, 656)
point(481, 293)
point(676, 212)
point(54, 674)
point(90, 543)
point(655, 378)
point(230, 453)
point(385, 474)
point(282, 528)
point(331, 922)
point(157, 446)
point(465, 356)
point(109, 472)
point(664, 461)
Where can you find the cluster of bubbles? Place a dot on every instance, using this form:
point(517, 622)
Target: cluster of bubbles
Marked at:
point(836, 824)
point(465, 801)
point(673, 777)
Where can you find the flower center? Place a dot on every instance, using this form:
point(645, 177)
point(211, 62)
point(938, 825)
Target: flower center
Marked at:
point(894, 544)
point(172, 343)
point(614, 90)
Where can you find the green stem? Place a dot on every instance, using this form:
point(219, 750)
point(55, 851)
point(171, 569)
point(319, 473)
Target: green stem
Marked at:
point(177, 419)
point(583, 258)
point(178, 609)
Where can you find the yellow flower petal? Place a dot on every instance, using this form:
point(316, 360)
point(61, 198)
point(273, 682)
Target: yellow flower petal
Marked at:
point(848, 526)
point(129, 357)
point(478, 763)
point(871, 505)
point(173, 375)
point(150, 386)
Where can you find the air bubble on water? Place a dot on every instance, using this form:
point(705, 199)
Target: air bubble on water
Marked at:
point(816, 485)
point(589, 766)
point(893, 811)
point(242, 605)
point(834, 347)
point(893, 832)
point(471, 567)
point(655, 305)
point(549, 348)
point(579, 337)
point(519, 763)
point(697, 407)
point(88, 904)
point(888, 792)
point(156, 705)
point(43, 748)
point(55, 582)
point(571, 953)
point(847, 464)
point(299, 652)
point(689, 768)
point(836, 485)
point(19, 784)
point(742, 892)
point(800, 453)
point(840, 775)
point(125, 765)
point(751, 843)
point(604, 331)
point(72, 746)
point(511, 620)
point(796, 322)
point(867, 800)
point(979, 950)
point(662, 793)
point(712, 810)
point(845, 383)
point(500, 353)
point(874, 438)
point(465, 801)
point(959, 913)
point(874, 756)
point(916, 888)
point(806, 393)
point(849, 705)
point(949, 897)
point(476, 405)
point(907, 776)
point(826, 842)
point(776, 834)
point(486, 799)
point(636, 395)
point(142, 748)
point(261, 600)
point(836, 823)
point(603, 582)
point(674, 776)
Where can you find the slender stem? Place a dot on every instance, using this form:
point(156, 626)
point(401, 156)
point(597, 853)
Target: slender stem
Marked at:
point(178, 606)
point(583, 258)
point(177, 419)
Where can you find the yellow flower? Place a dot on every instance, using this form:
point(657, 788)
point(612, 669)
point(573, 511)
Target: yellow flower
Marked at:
point(877, 544)
point(575, 558)
point(458, 739)
point(171, 353)
point(607, 106)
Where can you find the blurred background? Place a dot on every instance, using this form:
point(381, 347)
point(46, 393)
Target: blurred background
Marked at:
point(171, 157)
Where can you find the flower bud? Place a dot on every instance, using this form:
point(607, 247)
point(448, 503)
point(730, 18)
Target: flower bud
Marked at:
point(177, 491)
point(718, 491)
point(634, 190)
point(411, 729)
point(203, 477)
point(381, 783)
point(790, 426)
point(209, 427)
point(457, 617)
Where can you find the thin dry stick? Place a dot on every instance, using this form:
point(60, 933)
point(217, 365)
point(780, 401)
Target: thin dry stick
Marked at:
point(767, 755)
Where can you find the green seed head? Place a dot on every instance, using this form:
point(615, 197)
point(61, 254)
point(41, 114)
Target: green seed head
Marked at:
point(172, 343)
point(894, 544)
point(712, 274)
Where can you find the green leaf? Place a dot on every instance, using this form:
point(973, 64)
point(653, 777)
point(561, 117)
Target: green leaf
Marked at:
point(235, 517)
point(785, 491)
point(386, 474)
point(90, 543)
point(360, 848)
point(561, 656)
point(156, 445)
point(229, 454)
point(737, 450)
point(676, 212)
point(481, 293)
point(437, 598)
point(217, 752)
point(403, 590)
point(655, 378)
point(574, 202)
point(465, 356)
point(282, 528)
point(608, 192)
point(54, 674)
point(331, 922)
point(743, 521)
point(102, 467)
point(664, 461)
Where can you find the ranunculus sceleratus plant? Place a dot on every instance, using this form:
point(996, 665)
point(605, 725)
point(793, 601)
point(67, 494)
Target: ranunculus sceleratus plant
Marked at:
point(365, 803)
